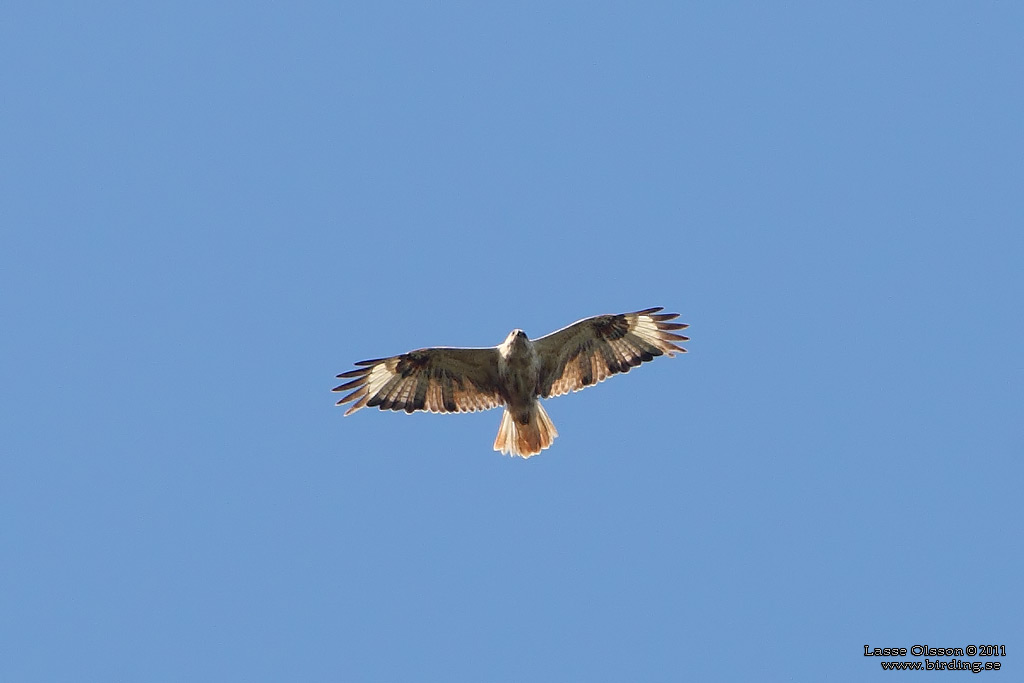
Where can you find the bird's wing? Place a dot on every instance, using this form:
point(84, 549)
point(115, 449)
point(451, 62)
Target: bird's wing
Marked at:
point(441, 380)
point(594, 349)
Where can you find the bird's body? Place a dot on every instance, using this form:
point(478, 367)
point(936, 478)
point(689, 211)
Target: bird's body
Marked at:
point(525, 427)
point(519, 372)
point(515, 374)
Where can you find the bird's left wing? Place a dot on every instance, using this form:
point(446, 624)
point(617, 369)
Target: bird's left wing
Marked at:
point(594, 349)
point(441, 380)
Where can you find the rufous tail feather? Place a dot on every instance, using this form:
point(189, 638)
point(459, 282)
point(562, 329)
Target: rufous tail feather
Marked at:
point(527, 439)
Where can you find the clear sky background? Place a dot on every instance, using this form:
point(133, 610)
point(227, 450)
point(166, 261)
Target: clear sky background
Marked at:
point(210, 209)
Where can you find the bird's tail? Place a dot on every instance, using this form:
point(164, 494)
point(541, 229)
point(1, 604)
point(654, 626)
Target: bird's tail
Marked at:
point(525, 437)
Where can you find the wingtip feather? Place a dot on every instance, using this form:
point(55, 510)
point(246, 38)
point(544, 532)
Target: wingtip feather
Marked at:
point(350, 385)
point(356, 406)
point(358, 372)
point(350, 397)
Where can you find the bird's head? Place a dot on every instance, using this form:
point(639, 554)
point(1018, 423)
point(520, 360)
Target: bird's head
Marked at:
point(515, 339)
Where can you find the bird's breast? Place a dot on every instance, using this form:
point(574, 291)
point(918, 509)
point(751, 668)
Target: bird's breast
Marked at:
point(519, 371)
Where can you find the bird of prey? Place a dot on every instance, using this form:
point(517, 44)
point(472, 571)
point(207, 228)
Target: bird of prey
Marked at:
point(514, 374)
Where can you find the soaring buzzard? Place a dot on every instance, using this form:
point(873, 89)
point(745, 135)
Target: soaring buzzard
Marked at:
point(514, 374)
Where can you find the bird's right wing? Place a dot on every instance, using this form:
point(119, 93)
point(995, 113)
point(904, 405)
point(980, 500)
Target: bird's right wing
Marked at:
point(440, 380)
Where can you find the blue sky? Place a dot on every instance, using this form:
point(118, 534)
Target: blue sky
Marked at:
point(209, 211)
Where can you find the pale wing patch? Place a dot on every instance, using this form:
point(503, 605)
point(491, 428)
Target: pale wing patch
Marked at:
point(379, 376)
